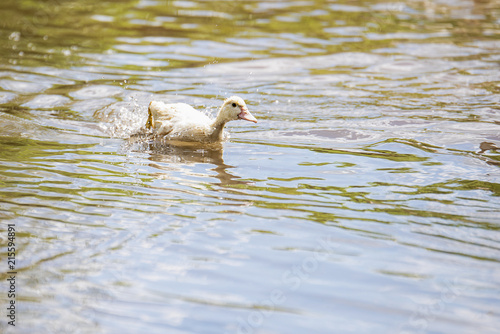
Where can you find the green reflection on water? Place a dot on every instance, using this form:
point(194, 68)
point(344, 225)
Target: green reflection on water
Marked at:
point(366, 152)
point(64, 33)
point(23, 149)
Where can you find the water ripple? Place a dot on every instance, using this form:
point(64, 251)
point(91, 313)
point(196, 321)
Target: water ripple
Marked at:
point(367, 191)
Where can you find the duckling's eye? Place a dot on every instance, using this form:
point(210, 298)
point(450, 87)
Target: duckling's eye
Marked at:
point(234, 105)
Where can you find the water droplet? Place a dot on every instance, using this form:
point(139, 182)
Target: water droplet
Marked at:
point(15, 36)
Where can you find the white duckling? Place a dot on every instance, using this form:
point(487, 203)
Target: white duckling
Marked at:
point(180, 121)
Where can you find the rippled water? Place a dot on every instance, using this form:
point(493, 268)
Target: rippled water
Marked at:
point(366, 199)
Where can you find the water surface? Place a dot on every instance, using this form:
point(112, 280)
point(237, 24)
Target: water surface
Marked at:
point(366, 199)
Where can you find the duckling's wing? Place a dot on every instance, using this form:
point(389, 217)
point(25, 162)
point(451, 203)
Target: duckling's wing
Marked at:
point(159, 111)
point(150, 124)
point(164, 118)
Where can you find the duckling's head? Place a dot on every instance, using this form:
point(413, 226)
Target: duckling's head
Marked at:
point(235, 108)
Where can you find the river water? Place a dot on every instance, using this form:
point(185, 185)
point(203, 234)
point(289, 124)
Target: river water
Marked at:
point(366, 199)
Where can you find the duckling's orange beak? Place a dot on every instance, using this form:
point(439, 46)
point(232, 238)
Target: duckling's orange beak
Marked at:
point(246, 115)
